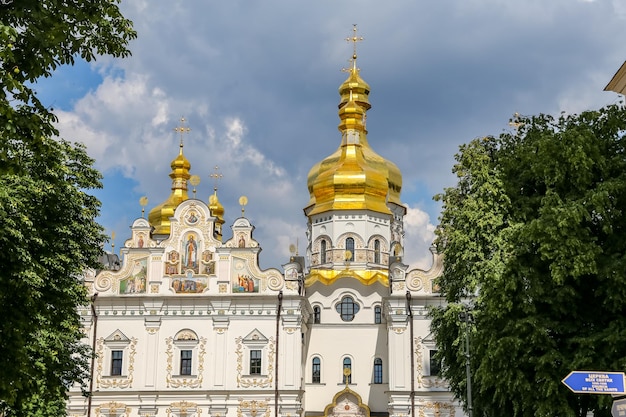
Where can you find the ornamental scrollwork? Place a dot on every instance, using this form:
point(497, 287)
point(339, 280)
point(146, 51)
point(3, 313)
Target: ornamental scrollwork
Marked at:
point(114, 382)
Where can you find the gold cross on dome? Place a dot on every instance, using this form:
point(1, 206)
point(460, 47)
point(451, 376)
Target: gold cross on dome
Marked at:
point(217, 175)
point(515, 122)
point(182, 129)
point(354, 39)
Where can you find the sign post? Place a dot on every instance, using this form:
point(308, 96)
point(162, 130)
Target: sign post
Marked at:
point(595, 382)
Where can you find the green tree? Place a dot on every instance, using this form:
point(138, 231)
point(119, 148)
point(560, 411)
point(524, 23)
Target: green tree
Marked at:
point(48, 232)
point(533, 242)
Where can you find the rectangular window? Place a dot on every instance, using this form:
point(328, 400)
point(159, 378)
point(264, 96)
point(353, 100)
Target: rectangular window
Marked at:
point(116, 362)
point(435, 365)
point(185, 362)
point(255, 362)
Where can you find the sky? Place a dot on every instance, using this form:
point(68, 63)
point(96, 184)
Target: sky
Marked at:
point(257, 84)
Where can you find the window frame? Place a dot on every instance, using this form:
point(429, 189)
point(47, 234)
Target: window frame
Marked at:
point(117, 363)
point(316, 370)
point(323, 251)
point(346, 363)
point(377, 251)
point(347, 308)
point(317, 315)
point(378, 315)
point(378, 371)
point(433, 363)
point(256, 362)
point(186, 362)
point(350, 248)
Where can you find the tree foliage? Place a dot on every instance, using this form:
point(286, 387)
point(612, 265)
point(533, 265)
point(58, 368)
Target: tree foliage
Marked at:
point(533, 241)
point(48, 232)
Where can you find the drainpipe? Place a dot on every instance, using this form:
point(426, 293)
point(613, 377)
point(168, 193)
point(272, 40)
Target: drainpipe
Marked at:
point(280, 307)
point(93, 352)
point(410, 314)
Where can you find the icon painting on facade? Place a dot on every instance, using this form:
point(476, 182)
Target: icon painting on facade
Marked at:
point(189, 284)
point(190, 254)
point(136, 282)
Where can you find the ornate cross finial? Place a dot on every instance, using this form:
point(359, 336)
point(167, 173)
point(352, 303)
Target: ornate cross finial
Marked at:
point(354, 39)
point(182, 129)
point(217, 175)
point(515, 122)
point(143, 202)
point(194, 180)
point(243, 200)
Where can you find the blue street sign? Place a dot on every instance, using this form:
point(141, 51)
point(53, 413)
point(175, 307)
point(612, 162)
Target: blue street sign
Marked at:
point(595, 382)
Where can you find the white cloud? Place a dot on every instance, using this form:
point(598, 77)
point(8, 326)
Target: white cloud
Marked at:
point(419, 237)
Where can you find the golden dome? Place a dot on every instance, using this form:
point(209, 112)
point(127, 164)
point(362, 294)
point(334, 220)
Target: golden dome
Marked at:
point(354, 177)
point(159, 217)
point(217, 209)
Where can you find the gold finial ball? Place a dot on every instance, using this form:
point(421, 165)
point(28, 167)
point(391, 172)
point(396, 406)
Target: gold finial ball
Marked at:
point(292, 248)
point(346, 371)
point(347, 255)
point(143, 201)
point(243, 200)
point(194, 180)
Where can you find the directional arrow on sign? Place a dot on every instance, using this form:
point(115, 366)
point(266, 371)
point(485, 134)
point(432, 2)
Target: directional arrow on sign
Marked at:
point(595, 382)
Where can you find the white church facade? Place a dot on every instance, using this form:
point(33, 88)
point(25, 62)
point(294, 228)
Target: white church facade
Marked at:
point(186, 324)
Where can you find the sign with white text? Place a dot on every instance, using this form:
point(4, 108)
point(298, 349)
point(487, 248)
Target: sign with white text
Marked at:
point(595, 382)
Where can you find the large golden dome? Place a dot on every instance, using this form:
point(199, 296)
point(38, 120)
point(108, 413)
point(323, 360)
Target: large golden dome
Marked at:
point(159, 217)
point(354, 177)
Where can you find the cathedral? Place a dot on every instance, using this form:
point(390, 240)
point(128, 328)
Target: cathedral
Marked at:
point(184, 323)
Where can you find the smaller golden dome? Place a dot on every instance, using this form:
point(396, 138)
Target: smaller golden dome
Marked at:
point(159, 217)
point(217, 209)
point(354, 88)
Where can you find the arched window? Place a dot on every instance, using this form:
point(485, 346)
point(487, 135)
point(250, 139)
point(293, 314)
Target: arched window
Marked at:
point(317, 315)
point(378, 316)
point(350, 249)
point(377, 251)
point(323, 252)
point(378, 371)
point(316, 369)
point(347, 308)
point(347, 364)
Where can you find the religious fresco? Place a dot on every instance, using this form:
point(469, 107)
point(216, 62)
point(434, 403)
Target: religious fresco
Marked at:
point(191, 218)
point(243, 281)
point(171, 264)
point(136, 282)
point(189, 284)
point(190, 254)
point(242, 241)
point(140, 240)
point(208, 264)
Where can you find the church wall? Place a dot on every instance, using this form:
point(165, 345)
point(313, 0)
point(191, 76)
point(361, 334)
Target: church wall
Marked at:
point(360, 340)
point(220, 344)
